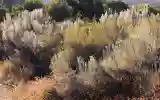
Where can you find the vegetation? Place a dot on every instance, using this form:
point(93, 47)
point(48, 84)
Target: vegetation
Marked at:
point(33, 4)
point(2, 12)
point(147, 8)
point(116, 55)
point(60, 12)
point(15, 9)
point(116, 6)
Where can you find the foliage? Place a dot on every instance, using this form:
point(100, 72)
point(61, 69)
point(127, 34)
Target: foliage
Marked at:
point(33, 4)
point(49, 4)
point(145, 8)
point(141, 7)
point(116, 6)
point(153, 10)
point(87, 8)
point(15, 9)
point(82, 60)
point(33, 1)
point(2, 14)
point(60, 11)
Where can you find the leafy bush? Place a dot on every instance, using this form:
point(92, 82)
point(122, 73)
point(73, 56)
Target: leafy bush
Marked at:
point(145, 7)
point(33, 4)
point(33, 1)
point(25, 33)
point(116, 6)
point(141, 8)
point(87, 8)
point(90, 9)
point(60, 11)
point(15, 9)
point(79, 55)
point(49, 4)
point(153, 10)
point(2, 14)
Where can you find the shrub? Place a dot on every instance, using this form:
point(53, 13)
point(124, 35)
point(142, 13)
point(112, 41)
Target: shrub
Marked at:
point(91, 78)
point(141, 8)
point(2, 14)
point(145, 9)
point(90, 39)
point(92, 33)
point(22, 32)
point(87, 8)
point(116, 6)
point(60, 11)
point(30, 5)
point(82, 46)
point(153, 10)
point(15, 9)
point(75, 6)
point(49, 4)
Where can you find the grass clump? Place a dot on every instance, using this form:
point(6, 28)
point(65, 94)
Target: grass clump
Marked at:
point(78, 60)
point(92, 33)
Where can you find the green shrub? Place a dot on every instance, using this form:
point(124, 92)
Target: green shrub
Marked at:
point(30, 5)
point(116, 6)
point(33, 1)
point(145, 7)
point(153, 10)
point(15, 9)
point(48, 5)
point(87, 8)
point(141, 7)
point(60, 11)
point(2, 14)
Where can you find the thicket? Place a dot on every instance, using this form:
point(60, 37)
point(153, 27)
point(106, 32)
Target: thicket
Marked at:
point(85, 9)
point(60, 10)
point(42, 59)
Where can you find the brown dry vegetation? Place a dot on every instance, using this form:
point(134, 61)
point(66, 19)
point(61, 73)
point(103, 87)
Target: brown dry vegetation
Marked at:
point(118, 56)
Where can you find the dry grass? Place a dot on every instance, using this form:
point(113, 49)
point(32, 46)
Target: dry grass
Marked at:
point(12, 73)
point(126, 53)
point(34, 90)
point(81, 66)
point(92, 33)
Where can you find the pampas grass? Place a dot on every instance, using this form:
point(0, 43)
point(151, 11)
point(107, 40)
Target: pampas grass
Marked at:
point(75, 57)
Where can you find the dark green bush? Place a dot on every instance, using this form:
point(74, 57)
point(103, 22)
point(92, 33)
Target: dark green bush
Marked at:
point(153, 10)
point(75, 6)
point(30, 5)
point(2, 14)
point(116, 6)
point(60, 11)
point(87, 8)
